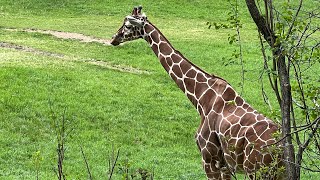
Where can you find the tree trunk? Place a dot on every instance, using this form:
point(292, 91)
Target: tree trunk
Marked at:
point(283, 75)
point(288, 151)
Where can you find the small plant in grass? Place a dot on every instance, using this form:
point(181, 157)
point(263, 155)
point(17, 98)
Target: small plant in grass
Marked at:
point(62, 130)
point(37, 159)
point(129, 173)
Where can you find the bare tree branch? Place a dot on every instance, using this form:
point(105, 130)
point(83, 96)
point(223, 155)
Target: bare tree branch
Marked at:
point(260, 22)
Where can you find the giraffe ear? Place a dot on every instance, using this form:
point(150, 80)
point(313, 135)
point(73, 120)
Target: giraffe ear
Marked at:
point(134, 11)
point(139, 9)
point(135, 22)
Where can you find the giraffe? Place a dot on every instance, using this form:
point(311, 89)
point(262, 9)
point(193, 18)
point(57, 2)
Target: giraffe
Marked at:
point(232, 136)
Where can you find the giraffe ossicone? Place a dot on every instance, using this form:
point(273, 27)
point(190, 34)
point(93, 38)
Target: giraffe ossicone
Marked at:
point(232, 136)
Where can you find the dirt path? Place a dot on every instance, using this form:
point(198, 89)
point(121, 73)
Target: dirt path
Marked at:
point(66, 35)
point(95, 62)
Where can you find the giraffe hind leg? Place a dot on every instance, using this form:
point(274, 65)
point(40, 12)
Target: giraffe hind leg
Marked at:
point(214, 164)
point(210, 160)
point(226, 175)
point(213, 172)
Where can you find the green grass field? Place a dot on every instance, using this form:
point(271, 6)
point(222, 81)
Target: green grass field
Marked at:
point(134, 107)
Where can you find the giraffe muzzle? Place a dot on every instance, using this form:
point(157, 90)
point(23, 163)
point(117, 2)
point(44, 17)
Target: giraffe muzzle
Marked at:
point(115, 43)
point(115, 40)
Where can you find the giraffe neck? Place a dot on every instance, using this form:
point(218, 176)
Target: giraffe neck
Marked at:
point(193, 81)
point(166, 53)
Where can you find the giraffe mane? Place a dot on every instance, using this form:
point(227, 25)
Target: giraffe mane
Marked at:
point(182, 56)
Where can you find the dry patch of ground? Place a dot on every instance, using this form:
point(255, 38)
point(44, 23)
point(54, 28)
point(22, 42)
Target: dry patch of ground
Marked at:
point(66, 35)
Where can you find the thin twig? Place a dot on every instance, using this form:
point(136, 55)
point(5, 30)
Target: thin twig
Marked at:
point(301, 166)
point(316, 121)
point(86, 162)
point(114, 164)
point(274, 83)
point(294, 19)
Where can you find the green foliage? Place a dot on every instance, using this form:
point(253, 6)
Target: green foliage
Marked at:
point(277, 135)
point(295, 26)
point(300, 44)
point(232, 22)
point(275, 168)
point(271, 171)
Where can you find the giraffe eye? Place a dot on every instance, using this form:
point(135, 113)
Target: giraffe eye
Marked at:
point(128, 27)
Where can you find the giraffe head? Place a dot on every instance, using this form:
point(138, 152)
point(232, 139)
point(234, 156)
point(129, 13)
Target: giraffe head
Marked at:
point(132, 27)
